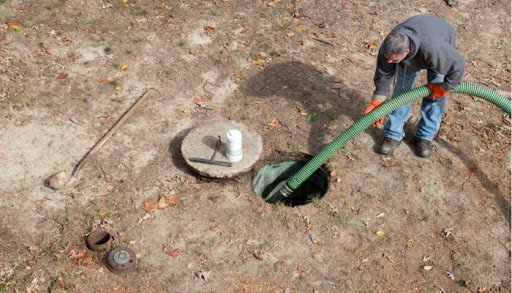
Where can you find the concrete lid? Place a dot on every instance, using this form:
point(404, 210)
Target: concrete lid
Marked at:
point(201, 143)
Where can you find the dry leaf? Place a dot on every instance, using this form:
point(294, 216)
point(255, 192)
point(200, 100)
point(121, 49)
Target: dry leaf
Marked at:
point(329, 35)
point(300, 26)
point(298, 14)
point(162, 203)
point(2, 37)
point(209, 30)
point(119, 88)
point(123, 68)
point(173, 253)
point(371, 44)
point(271, 4)
point(65, 40)
point(427, 268)
point(199, 101)
point(333, 173)
point(14, 26)
point(263, 54)
point(301, 112)
point(82, 257)
point(389, 163)
point(257, 254)
point(62, 75)
point(173, 200)
point(150, 205)
point(256, 62)
point(309, 227)
point(380, 233)
point(275, 124)
point(102, 80)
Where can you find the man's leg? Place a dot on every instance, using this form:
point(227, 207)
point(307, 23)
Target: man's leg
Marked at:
point(394, 127)
point(432, 111)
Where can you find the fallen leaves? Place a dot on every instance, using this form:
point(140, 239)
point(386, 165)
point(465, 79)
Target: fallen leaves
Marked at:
point(300, 111)
point(380, 233)
point(200, 101)
point(388, 162)
point(81, 257)
point(209, 30)
point(14, 26)
point(371, 46)
point(150, 205)
point(272, 4)
point(300, 26)
point(298, 14)
point(329, 35)
point(258, 254)
point(173, 253)
point(62, 75)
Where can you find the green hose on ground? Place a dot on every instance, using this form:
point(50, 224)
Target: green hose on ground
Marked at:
point(383, 110)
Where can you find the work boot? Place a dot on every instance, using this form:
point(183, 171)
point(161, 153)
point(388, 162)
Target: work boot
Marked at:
point(388, 146)
point(423, 147)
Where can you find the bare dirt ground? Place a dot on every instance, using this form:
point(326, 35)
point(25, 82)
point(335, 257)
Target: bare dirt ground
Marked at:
point(299, 73)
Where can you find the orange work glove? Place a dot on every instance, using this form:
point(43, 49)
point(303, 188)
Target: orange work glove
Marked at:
point(439, 90)
point(374, 104)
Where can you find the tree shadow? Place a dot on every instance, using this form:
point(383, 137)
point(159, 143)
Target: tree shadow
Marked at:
point(319, 94)
point(492, 187)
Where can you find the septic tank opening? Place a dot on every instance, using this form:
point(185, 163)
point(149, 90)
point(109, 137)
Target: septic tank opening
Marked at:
point(270, 176)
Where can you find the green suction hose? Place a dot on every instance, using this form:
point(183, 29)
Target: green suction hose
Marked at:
point(390, 105)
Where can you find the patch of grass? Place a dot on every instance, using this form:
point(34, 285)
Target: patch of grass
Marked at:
point(107, 50)
point(312, 117)
point(199, 251)
point(114, 83)
point(128, 52)
point(385, 198)
point(282, 26)
point(264, 46)
point(291, 146)
point(47, 7)
point(243, 180)
point(369, 176)
point(427, 199)
point(335, 215)
point(138, 11)
point(274, 53)
point(138, 40)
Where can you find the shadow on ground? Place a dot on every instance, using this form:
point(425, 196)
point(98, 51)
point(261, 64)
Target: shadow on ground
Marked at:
point(319, 94)
point(492, 187)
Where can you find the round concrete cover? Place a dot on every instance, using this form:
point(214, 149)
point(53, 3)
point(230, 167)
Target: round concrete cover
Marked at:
point(202, 142)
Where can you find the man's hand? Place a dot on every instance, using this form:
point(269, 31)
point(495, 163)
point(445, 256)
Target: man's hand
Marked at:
point(374, 104)
point(439, 90)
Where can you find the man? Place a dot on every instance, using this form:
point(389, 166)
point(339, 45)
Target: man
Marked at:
point(420, 42)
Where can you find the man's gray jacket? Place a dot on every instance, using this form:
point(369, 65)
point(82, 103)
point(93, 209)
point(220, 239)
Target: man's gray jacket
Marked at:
point(432, 45)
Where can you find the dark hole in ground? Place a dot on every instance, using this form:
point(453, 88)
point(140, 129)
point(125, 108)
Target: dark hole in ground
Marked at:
point(270, 176)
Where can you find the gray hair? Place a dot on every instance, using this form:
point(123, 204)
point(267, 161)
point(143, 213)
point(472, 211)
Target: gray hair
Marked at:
point(395, 44)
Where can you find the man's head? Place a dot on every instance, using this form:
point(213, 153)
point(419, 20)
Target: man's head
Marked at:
point(395, 47)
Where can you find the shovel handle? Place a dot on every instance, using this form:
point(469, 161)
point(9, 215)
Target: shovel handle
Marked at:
point(109, 133)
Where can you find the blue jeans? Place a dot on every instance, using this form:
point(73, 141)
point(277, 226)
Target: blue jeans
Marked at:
point(432, 110)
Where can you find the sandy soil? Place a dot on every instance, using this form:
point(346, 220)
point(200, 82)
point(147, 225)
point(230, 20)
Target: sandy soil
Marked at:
point(299, 73)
